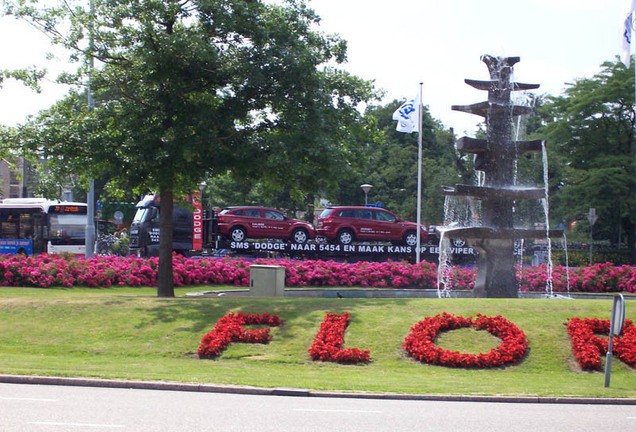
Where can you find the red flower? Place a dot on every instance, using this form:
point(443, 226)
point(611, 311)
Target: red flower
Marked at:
point(420, 343)
point(230, 329)
point(329, 341)
point(588, 348)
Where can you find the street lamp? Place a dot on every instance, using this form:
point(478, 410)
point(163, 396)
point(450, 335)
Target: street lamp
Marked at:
point(202, 187)
point(89, 232)
point(366, 188)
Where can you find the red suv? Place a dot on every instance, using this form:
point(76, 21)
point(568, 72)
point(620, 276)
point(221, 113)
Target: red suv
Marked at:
point(347, 224)
point(240, 223)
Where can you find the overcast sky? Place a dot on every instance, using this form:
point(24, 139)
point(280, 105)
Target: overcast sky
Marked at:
point(402, 43)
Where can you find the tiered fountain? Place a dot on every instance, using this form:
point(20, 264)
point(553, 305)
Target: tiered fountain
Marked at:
point(496, 156)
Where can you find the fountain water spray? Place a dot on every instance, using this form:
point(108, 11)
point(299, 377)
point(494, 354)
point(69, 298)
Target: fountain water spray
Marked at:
point(496, 156)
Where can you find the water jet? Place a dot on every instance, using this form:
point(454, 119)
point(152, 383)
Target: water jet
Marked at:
point(493, 233)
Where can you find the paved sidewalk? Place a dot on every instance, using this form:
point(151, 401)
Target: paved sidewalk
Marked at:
point(217, 388)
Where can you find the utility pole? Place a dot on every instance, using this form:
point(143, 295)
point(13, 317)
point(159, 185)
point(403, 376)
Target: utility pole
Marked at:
point(90, 197)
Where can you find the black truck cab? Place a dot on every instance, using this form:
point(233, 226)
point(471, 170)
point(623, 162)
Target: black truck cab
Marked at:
point(193, 229)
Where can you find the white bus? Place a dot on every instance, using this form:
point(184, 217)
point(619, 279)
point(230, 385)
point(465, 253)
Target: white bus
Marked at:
point(35, 225)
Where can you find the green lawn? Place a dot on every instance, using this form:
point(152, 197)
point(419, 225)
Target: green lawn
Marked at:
point(129, 333)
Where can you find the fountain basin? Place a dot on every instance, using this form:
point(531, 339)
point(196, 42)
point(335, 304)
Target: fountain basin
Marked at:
point(479, 146)
point(485, 108)
point(469, 233)
point(510, 193)
point(493, 85)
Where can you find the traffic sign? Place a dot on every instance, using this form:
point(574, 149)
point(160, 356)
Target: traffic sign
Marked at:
point(616, 327)
point(591, 216)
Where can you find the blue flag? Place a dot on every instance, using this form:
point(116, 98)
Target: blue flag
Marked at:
point(626, 36)
point(407, 115)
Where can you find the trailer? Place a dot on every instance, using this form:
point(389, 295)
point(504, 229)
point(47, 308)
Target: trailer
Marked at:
point(195, 234)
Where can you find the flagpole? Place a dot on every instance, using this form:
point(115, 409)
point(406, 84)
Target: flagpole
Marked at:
point(419, 176)
point(89, 241)
point(634, 133)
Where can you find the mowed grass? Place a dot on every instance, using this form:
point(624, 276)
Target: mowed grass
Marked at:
point(129, 333)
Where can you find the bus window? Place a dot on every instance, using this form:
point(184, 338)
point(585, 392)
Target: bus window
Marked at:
point(8, 229)
point(26, 226)
point(67, 228)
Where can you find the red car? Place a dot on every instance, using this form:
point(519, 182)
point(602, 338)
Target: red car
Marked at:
point(240, 223)
point(348, 224)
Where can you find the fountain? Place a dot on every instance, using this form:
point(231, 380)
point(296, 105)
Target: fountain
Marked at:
point(495, 233)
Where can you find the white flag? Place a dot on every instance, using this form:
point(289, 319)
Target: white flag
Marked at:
point(626, 37)
point(408, 114)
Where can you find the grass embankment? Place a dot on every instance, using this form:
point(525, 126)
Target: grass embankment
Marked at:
point(131, 334)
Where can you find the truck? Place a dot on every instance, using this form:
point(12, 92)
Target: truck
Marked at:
point(194, 230)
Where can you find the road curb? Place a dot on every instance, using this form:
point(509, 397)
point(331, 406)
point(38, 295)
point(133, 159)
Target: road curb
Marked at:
point(297, 392)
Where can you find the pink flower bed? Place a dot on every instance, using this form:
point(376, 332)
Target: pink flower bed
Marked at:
point(597, 278)
point(53, 270)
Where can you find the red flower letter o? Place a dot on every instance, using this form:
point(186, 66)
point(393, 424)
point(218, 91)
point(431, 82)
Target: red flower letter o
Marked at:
point(420, 343)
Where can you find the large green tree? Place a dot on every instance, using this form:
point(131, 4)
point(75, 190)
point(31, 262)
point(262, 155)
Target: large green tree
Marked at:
point(185, 88)
point(590, 135)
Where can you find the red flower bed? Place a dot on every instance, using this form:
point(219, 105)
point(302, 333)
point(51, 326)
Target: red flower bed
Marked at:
point(588, 348)
point(329, 341)
point(420, 343)
point(230, 329)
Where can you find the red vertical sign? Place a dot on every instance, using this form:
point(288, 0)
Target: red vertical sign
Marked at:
point(197, 222)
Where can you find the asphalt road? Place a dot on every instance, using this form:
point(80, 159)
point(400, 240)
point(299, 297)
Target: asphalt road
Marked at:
point(46, 408)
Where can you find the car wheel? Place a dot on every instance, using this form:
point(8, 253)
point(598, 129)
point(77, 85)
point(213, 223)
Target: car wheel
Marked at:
point(345, 237)
point(238, 234)
point(410, 238)
point(300, 236)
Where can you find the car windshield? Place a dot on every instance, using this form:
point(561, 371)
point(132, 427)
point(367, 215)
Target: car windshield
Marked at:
point(140, 216)
point(325, 213)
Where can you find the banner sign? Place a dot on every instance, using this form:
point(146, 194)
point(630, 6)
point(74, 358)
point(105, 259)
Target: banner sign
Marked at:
point(308, 248)
point(197, 222)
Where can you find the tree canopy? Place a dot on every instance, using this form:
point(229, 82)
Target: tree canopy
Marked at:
point(186, 88)
point(590, 136)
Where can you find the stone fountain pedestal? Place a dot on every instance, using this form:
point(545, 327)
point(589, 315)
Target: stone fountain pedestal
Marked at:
point(496, 156)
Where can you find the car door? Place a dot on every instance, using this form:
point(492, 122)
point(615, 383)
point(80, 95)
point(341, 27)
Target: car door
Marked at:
point(255, 224)
point(386, 225)
point(276, 224)
point(365, 224)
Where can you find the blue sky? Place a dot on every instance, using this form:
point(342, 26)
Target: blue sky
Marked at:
point(399, 44)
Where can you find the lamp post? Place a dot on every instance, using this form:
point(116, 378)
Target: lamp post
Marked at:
point(90, 195)
point(202, 187)
point(366, 188)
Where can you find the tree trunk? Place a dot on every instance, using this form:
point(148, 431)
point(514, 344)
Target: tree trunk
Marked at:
point(165, 287)
point(631, 241)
